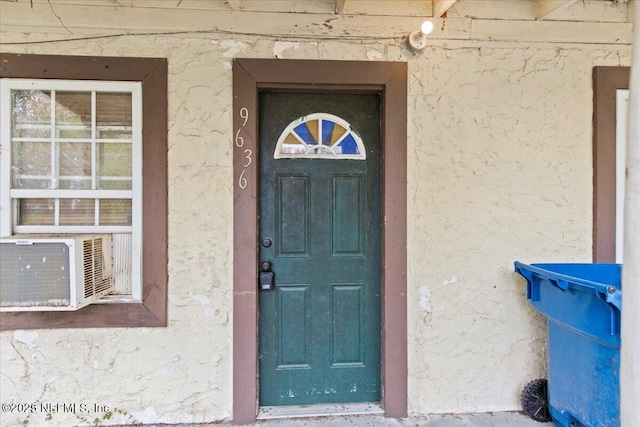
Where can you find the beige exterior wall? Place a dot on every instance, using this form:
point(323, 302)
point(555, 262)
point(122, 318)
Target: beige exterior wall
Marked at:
point(500, 169)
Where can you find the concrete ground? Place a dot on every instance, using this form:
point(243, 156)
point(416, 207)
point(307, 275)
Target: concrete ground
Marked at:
point(493, 419)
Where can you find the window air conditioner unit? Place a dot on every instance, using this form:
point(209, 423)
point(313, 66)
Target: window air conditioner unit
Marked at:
point(54, 273)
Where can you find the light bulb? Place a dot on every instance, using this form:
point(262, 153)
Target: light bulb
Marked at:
point(427, 27)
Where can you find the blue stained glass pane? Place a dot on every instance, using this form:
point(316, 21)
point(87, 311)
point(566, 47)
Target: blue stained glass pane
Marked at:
point(327, 131)
point(349, 145)
point(303, 131)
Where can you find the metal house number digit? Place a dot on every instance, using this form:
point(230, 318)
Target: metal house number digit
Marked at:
point(244, 114)
point(239, 141)
point(242, 182)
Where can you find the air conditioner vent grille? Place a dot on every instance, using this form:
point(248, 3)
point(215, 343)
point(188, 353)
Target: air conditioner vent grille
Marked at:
point(87, 261)
point(95, 281)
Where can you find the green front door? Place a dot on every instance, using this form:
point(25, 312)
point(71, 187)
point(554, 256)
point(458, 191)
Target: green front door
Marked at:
point(319, 327)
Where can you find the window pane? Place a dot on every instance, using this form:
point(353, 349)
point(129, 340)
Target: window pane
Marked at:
point(115, 212)
point(77, 211)
point(75, 159)
point(114, 184)
point(113, 115)
point(347, 146)
point(36, 212)
point(73, 114)
point(31, 160)
point(114, 160)
point(32, 184)
point(336, 133)
point(74, 183)
point(31, 114)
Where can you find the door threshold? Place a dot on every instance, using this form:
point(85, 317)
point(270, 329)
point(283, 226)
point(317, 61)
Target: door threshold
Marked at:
point(324, 410)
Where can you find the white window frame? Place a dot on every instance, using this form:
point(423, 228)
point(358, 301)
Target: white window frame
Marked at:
point(8, 207)
point(622, 113)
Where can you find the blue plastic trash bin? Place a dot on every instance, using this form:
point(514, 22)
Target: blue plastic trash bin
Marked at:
point(582, 303)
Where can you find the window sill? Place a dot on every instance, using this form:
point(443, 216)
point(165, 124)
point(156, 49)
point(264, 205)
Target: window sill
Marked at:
point(116, 314)
point(118, 299)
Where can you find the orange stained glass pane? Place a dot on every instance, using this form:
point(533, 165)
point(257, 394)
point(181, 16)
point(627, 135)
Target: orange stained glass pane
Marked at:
point(337, 133)
point(313, 129)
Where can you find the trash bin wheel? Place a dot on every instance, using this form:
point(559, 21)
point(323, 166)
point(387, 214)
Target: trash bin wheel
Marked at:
point(534, 400)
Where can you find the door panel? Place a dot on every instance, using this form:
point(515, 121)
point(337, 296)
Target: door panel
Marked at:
point(292, 215)
point(319, 329)
point(293, 306)
point(347, 202)
point(348, 317)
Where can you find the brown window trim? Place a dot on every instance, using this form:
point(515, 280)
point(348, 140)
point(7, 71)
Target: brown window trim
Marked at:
point(606, 81)
point(152, 72)
point(250, 76)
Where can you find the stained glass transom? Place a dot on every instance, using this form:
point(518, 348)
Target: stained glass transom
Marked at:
point(320, 136)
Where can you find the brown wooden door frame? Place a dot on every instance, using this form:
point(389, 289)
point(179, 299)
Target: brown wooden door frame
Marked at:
point(250, 76)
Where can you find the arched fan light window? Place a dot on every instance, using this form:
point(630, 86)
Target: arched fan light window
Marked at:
point(320, 136)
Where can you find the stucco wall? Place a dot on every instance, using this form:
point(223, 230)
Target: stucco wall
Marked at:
point(499, 170)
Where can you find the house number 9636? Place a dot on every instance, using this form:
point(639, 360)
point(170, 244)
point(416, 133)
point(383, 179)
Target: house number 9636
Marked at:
point(248, 153)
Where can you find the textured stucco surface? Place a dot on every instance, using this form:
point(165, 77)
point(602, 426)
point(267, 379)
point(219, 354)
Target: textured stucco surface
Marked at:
point(499, 169)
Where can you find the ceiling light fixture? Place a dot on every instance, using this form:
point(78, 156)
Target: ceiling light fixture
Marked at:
point(418, 39)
